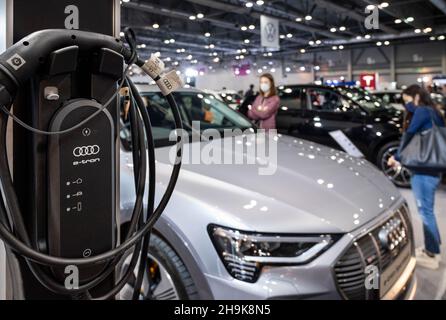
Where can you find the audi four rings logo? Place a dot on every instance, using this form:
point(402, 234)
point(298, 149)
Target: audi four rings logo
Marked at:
point(85, 151)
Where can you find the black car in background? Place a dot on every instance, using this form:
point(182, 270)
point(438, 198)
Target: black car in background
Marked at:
point(312, 112)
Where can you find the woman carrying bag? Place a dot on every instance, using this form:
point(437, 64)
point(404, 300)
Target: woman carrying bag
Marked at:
point(422, 151)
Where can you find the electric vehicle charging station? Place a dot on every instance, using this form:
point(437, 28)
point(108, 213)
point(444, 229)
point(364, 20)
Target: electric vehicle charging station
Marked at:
point(65, 87)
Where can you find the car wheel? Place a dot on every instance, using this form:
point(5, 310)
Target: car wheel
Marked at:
point(400, 176)
point(166, 278)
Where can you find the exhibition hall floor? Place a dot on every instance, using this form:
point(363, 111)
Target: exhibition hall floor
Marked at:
point(431, 284)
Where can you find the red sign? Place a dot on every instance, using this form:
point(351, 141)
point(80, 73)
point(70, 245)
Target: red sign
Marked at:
point(368, 80)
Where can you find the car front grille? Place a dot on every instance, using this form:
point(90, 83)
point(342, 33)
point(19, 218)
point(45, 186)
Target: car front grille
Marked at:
point(380, 247)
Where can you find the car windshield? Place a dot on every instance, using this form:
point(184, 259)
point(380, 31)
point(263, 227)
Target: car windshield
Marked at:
point(200, 107)
point(362, 97)
point(231, 98)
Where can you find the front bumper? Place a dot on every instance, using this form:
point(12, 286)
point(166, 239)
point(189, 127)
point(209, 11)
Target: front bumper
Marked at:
point(315, 280)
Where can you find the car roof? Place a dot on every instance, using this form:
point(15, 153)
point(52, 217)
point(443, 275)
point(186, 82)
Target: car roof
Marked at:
point(311, 86)
point(387, 91)
point(154, 88)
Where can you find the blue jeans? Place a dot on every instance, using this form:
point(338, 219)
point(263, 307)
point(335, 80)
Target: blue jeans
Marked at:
point(424, 188)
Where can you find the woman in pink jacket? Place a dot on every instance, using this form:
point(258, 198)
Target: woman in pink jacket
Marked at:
point(266, 105)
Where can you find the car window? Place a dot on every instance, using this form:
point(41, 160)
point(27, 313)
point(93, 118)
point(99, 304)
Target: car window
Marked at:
point(324, 100)
point(204, 108)
point(362, 98)
point(231, 98)
point(291, 98)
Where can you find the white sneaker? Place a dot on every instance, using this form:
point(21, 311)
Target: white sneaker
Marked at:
point(426, 261)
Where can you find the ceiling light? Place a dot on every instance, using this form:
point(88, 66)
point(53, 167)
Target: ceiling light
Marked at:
point(298, 19)
point(308, 17)
point(200, 16)
point(367, 36)
point(341, 47)
point(358, 37)
point(386, 43)
point(217, 59)
point(189, 57)
point(302, 50)
point(270, 54)
point(287, 69)
point(342, 28)
point(207, 34)
point(409, 19)
point(334, 48)
point(166, 41)
point(192, 17)
point(384, 5)
point(212, 46)
point(317, 68)
point(427, 30)
point(155, 26)
point(243, 50)
point(289, 35)
point(259, 70)
point(333, 29)
point(398, 21)
point(125, 1)
point(441, 37)
point(191, 72)
point(318, 41)
point(282, 36)
point(273, 70)
point(432, 38)
point(379, 43)
point(302, 68)
point(370, 7)
point(246, 41)
point(417, 30)
point(252, 27)
point(172, 40)
point(249, 4)
point(311, 43)
point(260, 2)
point(244, 28)
point(121, 34)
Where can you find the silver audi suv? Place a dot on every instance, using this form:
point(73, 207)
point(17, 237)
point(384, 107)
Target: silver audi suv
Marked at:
point(324, 225)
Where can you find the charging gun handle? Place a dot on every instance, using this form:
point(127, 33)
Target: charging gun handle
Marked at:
point(22, 60)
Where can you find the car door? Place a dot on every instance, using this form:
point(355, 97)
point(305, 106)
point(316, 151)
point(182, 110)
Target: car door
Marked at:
point(292, 109)
point(328, 111)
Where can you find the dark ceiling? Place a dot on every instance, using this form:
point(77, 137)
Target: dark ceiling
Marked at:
point(215, 32)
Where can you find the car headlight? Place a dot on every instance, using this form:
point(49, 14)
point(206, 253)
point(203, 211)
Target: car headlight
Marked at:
point(244, 253)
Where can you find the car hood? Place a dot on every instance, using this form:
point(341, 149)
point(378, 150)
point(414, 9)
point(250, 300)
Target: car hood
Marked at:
point(313, 189)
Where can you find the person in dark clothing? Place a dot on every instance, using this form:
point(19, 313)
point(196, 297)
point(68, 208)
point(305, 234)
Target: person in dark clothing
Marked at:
point(420, 115)
point(250, 91)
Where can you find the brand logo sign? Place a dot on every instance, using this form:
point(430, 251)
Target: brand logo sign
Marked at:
point(85, 151)
point(368, 81)
point(392, 234)
point(269, 32)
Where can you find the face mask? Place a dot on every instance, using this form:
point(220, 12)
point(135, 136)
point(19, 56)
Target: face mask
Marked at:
point(265, 87)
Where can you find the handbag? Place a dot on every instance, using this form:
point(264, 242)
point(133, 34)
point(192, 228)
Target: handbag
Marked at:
point(426, 151)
